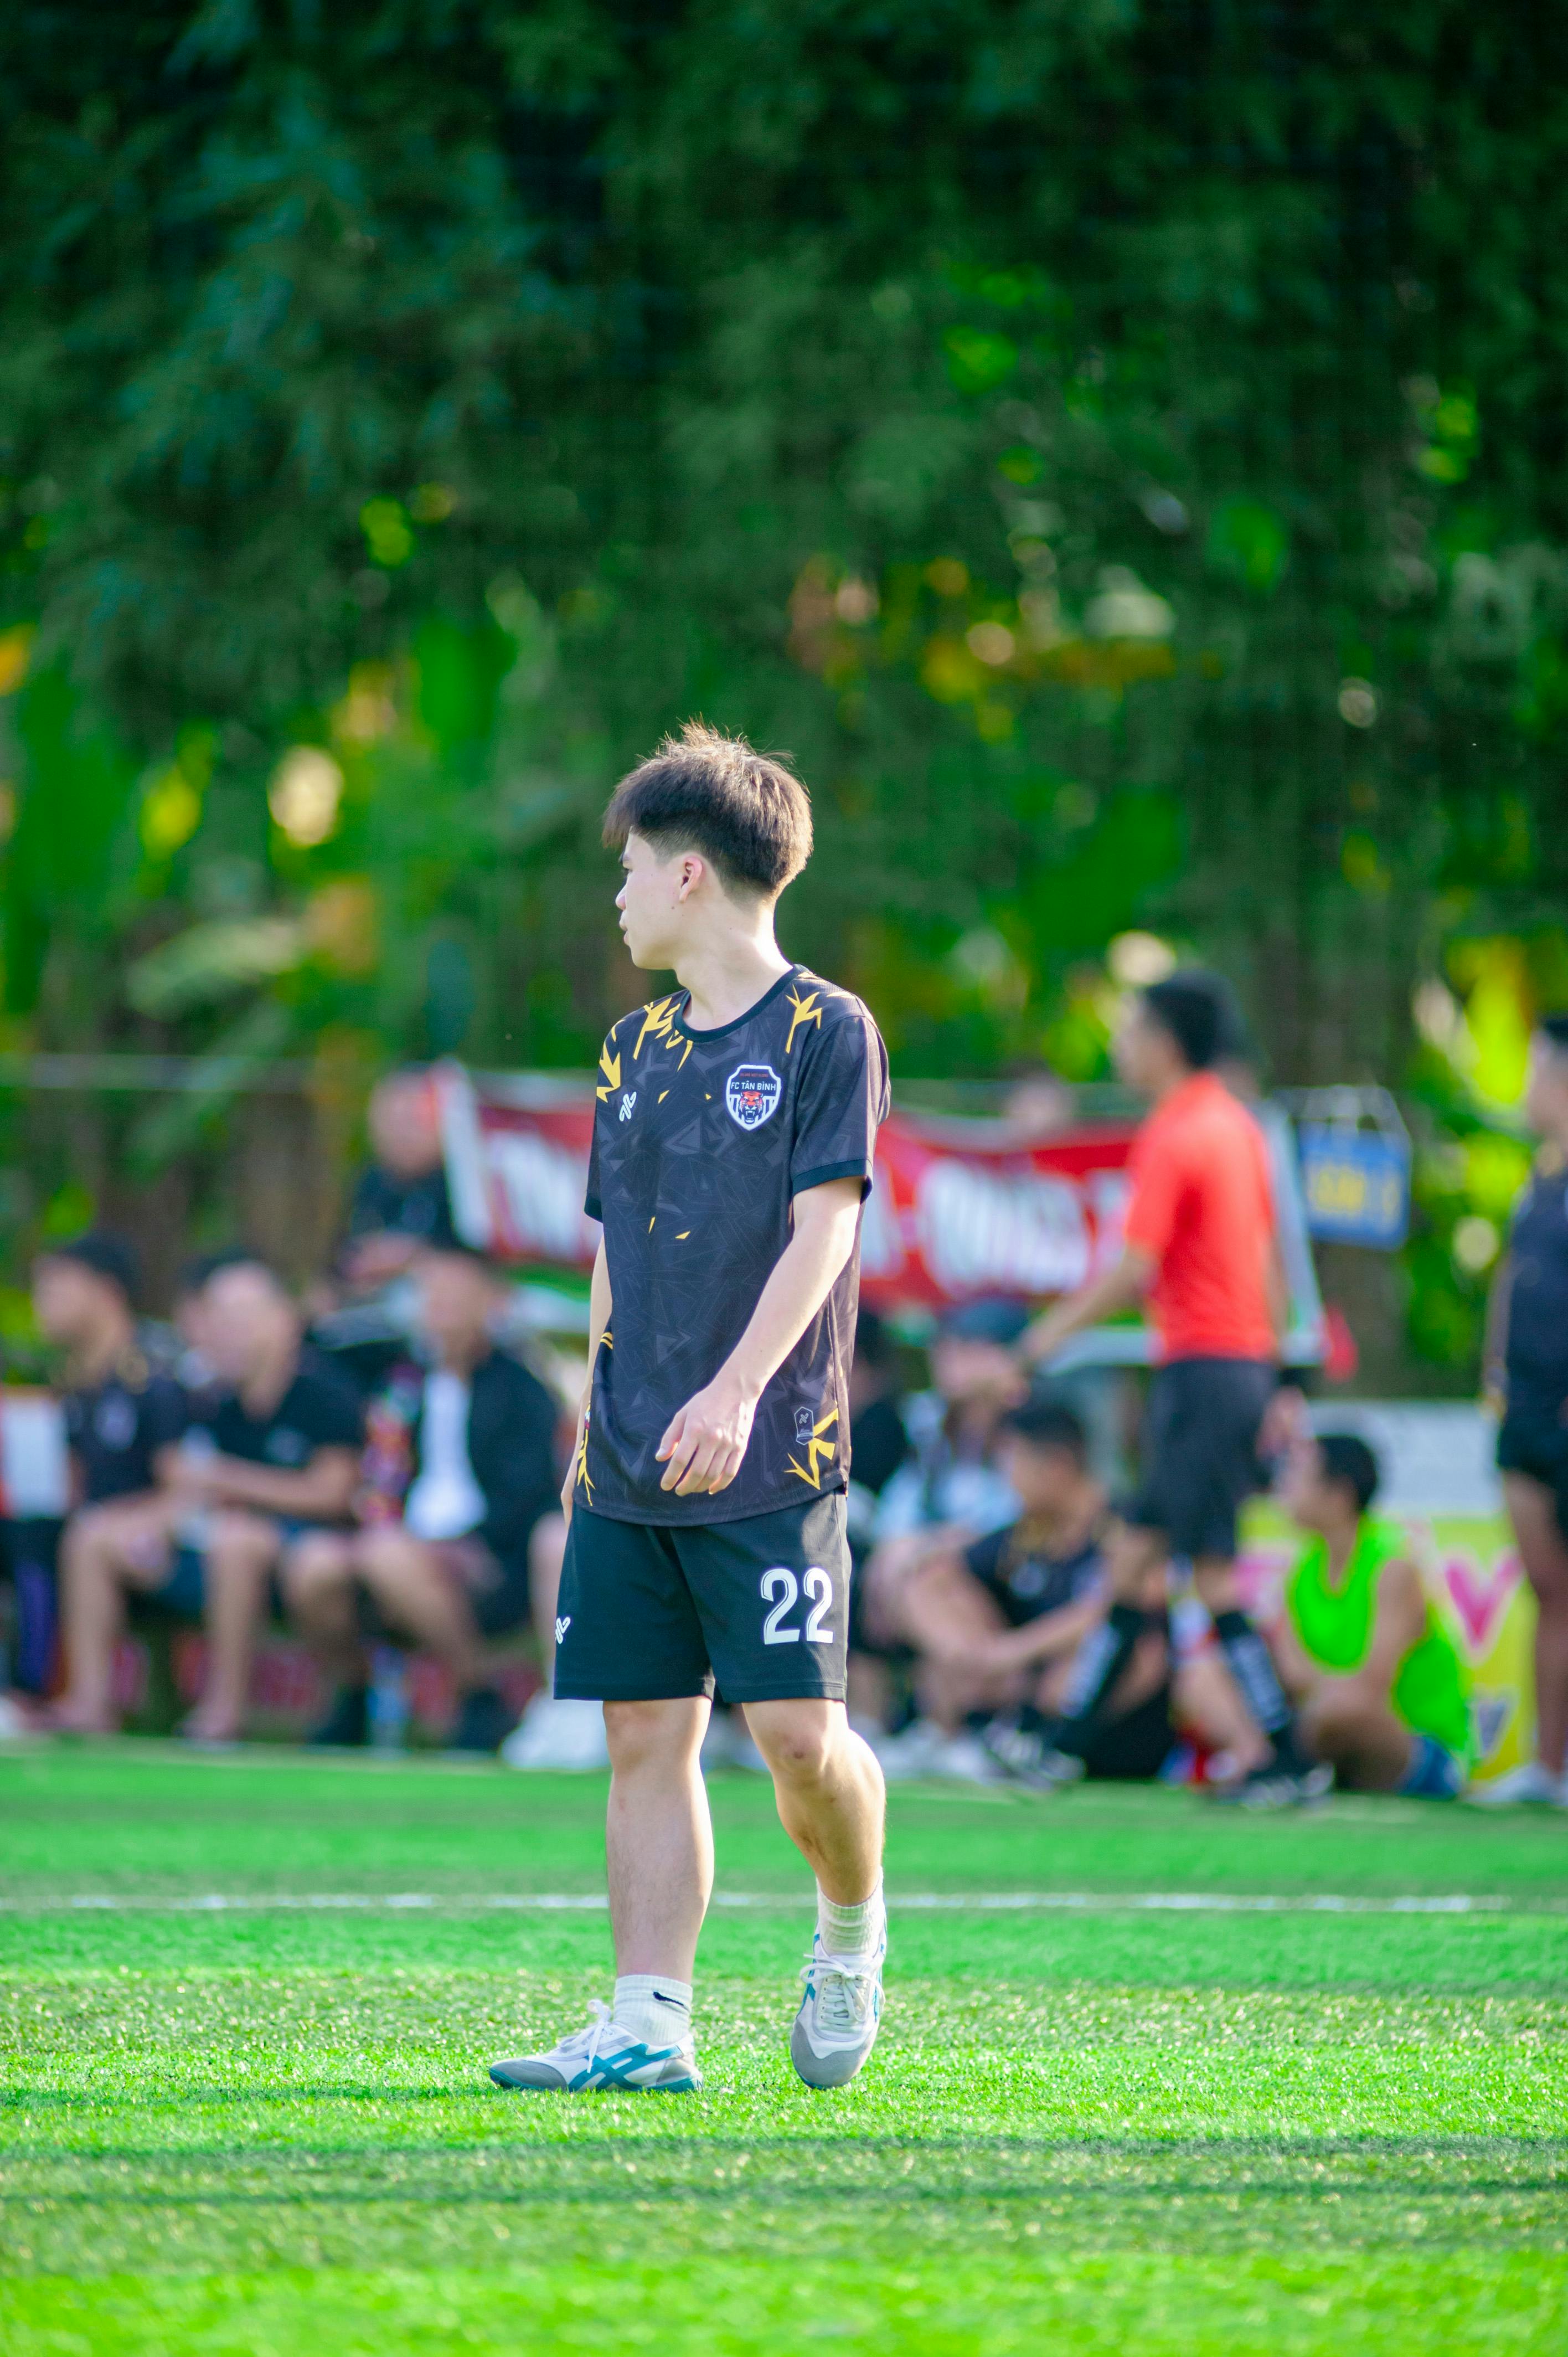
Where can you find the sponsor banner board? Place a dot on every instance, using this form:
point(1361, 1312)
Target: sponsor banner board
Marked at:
point(959, 1207)
point(1356, 1185)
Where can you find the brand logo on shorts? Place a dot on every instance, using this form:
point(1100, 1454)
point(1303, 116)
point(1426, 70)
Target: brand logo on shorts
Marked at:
point(751, 1094)
point(561, 1626)
point(628, 1104)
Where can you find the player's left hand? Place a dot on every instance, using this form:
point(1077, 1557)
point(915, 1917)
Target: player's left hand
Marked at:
point(706, 1440)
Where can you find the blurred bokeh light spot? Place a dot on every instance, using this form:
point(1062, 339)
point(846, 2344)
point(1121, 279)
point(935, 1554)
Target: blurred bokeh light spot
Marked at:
point(432, 503)
point(15, 646)
point(387, 534)
point(1475, 1243)
point(1136, 960)
point(1358, 703)
point(170, 813)
point(948, 576)
point(993, 641)
point(306, 790)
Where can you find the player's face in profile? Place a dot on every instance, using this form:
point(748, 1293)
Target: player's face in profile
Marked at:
point(650, 903)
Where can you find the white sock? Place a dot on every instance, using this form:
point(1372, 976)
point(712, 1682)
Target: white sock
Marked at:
point(852, 1934)
point(654, 2007)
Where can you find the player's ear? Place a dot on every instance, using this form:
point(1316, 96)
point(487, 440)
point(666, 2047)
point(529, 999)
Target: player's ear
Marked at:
point(694, 868)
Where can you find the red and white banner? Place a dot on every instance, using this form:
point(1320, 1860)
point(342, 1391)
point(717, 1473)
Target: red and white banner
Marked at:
point(959, 1209)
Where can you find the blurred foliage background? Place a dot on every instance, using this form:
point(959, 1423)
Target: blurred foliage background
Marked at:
point(1116, 446)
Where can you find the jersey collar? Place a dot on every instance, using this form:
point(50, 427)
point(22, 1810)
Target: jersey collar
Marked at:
point(722, 1030)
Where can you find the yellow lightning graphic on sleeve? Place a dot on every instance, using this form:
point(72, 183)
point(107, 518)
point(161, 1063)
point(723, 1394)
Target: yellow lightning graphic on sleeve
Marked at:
point(583, 1462)
point(818, 1449)
point(657, 1017)
point(807, 1010)
point(610, 1067)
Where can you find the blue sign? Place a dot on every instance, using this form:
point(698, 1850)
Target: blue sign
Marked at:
point(1356, 1186)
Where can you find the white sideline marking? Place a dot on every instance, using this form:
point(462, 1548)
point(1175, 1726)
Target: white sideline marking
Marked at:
point(913, 1902)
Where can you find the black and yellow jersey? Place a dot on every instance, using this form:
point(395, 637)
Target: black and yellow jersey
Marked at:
point(702, 1140)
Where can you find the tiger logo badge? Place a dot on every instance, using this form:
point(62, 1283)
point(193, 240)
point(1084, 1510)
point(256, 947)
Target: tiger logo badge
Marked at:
point(751, 1095)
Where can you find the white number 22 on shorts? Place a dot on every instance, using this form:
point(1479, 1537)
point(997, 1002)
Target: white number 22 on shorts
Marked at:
point(781, 1589)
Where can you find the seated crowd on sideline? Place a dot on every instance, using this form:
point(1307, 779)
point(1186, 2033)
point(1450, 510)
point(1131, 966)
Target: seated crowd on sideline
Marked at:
point(399, 1484)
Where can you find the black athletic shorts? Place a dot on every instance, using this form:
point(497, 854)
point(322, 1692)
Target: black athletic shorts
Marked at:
point(1533, 1439)
point(1131, 1749)
point(1200, 1451)
point(651, 1611)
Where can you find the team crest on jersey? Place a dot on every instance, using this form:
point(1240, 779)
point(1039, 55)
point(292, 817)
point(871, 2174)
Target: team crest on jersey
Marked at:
point(751, 1094)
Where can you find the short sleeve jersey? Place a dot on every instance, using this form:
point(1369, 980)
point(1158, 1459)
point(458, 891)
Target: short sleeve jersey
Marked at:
point(315, 1412)
point(115, 1430)
point(1202, 1207)
point(1027, 1580)
point(1538, 1292)
point(418, 1208)
point(702, 1140)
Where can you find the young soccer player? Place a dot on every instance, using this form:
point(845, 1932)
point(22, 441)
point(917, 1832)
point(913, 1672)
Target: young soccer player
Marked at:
point(733, 1146)
point(1200, 1244)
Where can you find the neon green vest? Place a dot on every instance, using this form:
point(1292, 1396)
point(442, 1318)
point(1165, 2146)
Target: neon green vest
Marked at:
point(1335, 1626)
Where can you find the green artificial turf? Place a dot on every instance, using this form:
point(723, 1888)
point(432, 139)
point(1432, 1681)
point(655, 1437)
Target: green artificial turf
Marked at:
point(244, 2106)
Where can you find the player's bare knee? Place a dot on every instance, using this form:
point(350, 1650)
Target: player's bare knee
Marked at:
point(799, 1740)
point(651, 1735)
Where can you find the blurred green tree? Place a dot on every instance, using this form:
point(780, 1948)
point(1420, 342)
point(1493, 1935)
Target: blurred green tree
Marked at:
point(1117, 450)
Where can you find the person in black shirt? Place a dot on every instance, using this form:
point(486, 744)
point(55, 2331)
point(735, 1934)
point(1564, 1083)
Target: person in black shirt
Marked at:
point(123, 1416)
point(461, 1531)
point(1528, 1364)
point(992, 1621)
point(120, 1414)
point(401, 1203)
point(275, 1446)
point(733, 1147)
point(1002, 1628)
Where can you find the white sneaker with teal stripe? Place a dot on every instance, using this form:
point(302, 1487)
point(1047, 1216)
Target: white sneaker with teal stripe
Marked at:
point(601, 2056)
point(839, 2013)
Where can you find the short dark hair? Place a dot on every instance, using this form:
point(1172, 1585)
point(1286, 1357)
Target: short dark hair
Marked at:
point(1049, 1424)
point(1345, 1458)
point(113, 1258)
point(196, 1273)
point(1201, 1015)
point(1554, 1027)
point(705, 792)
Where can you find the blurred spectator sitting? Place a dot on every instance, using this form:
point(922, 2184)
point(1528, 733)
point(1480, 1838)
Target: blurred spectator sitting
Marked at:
point(948, 1490)
point(999, 1627)
point(879, 1440)
point(991, 1619)
point(122, 1417)
point(1359, 1646)
point(461, 1534)
point(399, 1203)
point(274, 1447)
point(950, 1475)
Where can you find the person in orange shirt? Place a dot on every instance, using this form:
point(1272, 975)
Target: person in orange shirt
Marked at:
point(1200, 1250)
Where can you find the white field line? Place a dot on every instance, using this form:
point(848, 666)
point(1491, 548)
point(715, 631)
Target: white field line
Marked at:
point(913, 1902)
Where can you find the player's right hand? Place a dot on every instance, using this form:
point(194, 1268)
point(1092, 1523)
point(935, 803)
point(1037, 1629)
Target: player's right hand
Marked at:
point(704, 1441)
